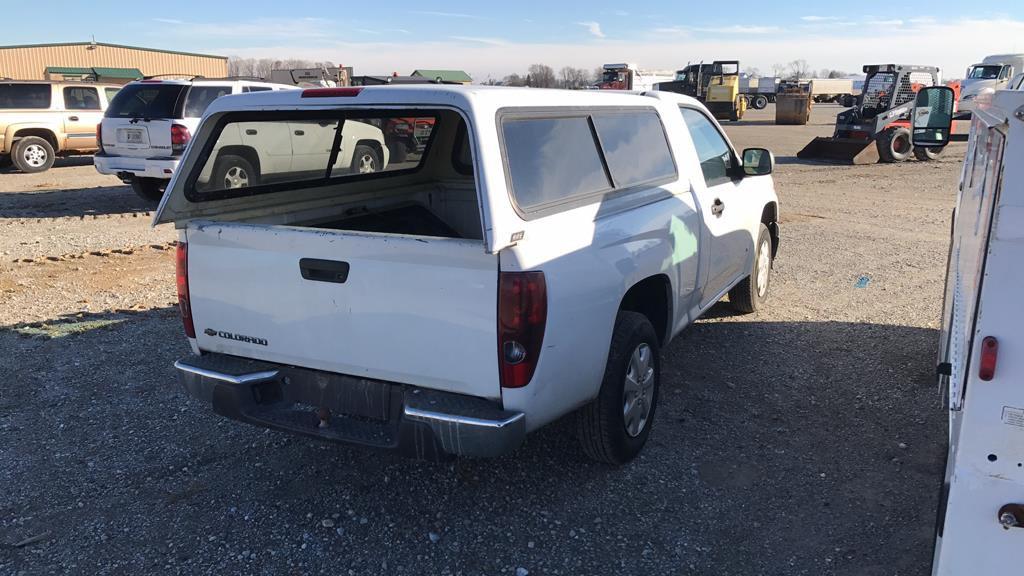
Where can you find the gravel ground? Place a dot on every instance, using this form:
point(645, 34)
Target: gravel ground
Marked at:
point(806, 439)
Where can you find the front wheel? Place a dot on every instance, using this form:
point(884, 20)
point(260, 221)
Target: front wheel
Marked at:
point(894, 145)
point(615, 426)
point(925, 154)
point(149, 189)
point(750, 294)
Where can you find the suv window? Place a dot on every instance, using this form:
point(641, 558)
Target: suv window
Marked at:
point(81, 98)
point(146, 101)
point(200, 97)
point(712, 150)
point(552, 159)
point(635, 147)
point(256, 88)
point(111, 92)
point(35, 96)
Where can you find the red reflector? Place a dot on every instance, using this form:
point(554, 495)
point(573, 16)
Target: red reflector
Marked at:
point(330, 92)
point(99, 137)
point(184, 303)
point(989, 355)
point(522, 315)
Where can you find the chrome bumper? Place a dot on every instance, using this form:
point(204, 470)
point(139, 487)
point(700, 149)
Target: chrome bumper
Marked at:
point(418, 422)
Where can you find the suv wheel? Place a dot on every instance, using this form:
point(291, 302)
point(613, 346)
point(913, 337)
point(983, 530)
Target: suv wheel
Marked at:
point(33, 154)
point(149, 189)
point(615, 426)
point(365, 160)
point(232, 171)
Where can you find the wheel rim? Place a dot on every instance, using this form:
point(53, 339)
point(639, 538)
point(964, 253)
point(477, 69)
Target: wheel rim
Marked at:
point(34, 155)
point(236, 177)
point(638, 392)
point(367, 164)
point(764, 264)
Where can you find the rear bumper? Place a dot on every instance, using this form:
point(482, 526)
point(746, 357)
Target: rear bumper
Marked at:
point(414, 421)
point(159, 167)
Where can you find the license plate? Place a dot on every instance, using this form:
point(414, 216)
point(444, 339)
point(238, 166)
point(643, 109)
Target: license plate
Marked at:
point(132, 136)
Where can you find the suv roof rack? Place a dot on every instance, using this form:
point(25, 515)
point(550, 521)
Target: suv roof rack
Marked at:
point(251, 78)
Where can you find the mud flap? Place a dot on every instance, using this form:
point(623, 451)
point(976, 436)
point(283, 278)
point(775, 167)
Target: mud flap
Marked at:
point(840, 151)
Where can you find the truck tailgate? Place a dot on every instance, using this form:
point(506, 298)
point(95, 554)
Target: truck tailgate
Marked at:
point(405, 309)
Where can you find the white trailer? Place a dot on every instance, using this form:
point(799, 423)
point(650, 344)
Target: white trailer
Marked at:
point(980, 524)
point(838, 90)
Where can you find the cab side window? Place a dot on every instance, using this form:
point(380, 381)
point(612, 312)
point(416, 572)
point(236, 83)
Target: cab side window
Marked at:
point(81, 98)
point(713, 152)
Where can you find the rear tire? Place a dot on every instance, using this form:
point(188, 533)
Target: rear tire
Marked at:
point(149, 189)
point(925, 154)
point(398, 151)
point(365, 160)
point(233, 171)
point(751, 293)
point(33, 154)
point(894, 145)
point(760, 102)
point(629, 388)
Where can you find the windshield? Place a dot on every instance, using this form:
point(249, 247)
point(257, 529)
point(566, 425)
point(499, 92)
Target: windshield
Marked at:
point(146, 101)
point(985, 72)
point(613, 76)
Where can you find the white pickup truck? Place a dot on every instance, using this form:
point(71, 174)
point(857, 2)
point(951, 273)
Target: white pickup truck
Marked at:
point(531, 261)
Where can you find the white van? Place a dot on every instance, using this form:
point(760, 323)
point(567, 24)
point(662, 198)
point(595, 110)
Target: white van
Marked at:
point(980, 526)
point(529, 261)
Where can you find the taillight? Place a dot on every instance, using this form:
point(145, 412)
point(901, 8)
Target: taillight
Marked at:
point(989, 355)
point(179, 138)
point(330, 92)
point(99, 137)
point(184, 303)
point(522, 314)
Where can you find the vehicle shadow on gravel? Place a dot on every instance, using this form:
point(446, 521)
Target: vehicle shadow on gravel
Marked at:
point(778, 447)
point(79, 202)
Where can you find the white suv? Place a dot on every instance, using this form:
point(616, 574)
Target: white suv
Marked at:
point(149, 123)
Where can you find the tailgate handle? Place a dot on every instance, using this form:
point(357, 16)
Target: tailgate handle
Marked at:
point(250, 132)
point(324, 270)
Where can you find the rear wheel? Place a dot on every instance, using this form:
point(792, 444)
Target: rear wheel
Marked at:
point(233, 171)
point(398, 151)
point(32, 154)
point(750, 294)
point(928, 153)
point(149, 189)
point(365, 160)
point(760, 102)
point(615, 426)
point(894, 145)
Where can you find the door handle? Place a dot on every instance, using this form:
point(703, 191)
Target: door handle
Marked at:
point(319, 270)
point(73, 118)
point(718, 207)
point(250, 132)
point(299, 133)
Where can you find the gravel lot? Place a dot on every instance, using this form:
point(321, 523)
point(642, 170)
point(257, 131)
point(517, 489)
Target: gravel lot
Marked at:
point(806, 439)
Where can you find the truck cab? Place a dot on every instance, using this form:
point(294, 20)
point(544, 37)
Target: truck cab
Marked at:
point(991, 74)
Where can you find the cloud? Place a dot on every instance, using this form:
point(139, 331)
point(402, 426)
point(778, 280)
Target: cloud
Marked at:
point(168, 20)
point(481, 40)
point(734, 29)
point(267, 28)
point(819, 18)
point(893, 22)
point(848, 50)
point(366, 31)
point(593, 27)
point(449, 14)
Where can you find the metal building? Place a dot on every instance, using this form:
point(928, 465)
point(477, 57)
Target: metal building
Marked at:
point(103, 62)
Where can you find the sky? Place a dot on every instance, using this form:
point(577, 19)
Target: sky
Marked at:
point(493, 39)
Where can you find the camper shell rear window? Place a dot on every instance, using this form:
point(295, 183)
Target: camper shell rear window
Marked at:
point(251, 153)
point(25, 96)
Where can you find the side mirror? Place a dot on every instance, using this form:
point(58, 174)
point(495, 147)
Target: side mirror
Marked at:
point(932, 119)
point(758, 162)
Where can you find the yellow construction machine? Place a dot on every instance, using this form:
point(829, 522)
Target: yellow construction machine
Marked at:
point(717, 85)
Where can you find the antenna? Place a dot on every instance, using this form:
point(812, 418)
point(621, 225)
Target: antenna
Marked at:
point(92, 45)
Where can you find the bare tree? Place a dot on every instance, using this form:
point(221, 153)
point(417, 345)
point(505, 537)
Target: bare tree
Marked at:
point(513, 80)
point(752, 71)
point(799, 69)
point(573, 78)
point(542, 76)
point(778, 70)
point(837, 74)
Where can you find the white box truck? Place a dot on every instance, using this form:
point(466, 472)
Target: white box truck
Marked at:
point(993, 73)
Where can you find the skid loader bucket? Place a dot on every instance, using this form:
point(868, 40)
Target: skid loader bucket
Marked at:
point(840, 150)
